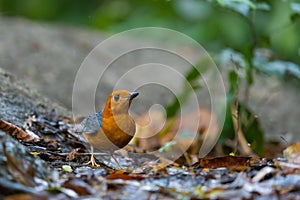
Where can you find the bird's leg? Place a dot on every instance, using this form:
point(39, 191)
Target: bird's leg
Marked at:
point(92, 160)
point(115, 159)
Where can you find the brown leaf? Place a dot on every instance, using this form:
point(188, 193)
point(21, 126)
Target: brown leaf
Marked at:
point(27, 196)
point(292, 153)
point(124, 176)
point(19, 170)
point(17, 132)
point(231, 162)
point(79, 186)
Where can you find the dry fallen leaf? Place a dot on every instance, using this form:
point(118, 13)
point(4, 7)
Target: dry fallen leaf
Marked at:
point(22, 172)
point(27, 196)
point(17, 132)
point(230, 162)
point(120, 174)
point(79, 186)
point(292, 153)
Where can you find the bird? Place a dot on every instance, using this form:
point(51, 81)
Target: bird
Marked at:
point(111, 128)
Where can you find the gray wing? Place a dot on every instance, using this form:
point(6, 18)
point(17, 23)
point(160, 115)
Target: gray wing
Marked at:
point(91, 124)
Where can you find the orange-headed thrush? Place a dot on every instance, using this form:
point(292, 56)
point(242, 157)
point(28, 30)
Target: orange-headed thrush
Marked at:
point(112, 128)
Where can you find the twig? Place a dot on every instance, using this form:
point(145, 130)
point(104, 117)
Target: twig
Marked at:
point(239, 135)
point(80, 154)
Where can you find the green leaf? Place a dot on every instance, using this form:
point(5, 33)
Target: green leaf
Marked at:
point(294, 17)
point(248, 54)
point(173, 108)
point(265, 40)
point(279, 68)
point(249, 75)
point(295, 7)
point(67, 168)
point(263, 6)
point(228, 129)
point(252, 130)
point(246, 2)
point(241, 6)
point(221, 2)
point(233, 78)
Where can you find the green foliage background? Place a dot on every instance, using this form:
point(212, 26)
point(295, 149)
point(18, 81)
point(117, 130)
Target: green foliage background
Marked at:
point(210, 22)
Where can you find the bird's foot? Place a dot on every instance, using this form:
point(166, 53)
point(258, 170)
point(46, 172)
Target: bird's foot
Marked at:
point(92, 162)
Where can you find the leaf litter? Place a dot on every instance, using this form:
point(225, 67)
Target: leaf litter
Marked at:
point(53, 139)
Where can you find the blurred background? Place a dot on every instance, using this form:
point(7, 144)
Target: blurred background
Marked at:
point(212, 24)
point(256, 45)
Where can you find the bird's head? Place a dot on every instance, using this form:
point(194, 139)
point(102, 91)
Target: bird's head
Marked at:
point(118, 102)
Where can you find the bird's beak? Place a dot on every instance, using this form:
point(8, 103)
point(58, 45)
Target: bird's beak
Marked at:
point(133, 95)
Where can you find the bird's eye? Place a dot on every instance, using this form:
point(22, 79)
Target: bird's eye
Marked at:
point(117, 97)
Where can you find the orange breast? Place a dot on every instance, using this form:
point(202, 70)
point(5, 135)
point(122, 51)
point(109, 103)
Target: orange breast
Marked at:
point(116, 132)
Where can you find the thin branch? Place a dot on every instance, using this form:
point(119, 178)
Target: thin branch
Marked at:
point(239, 135)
